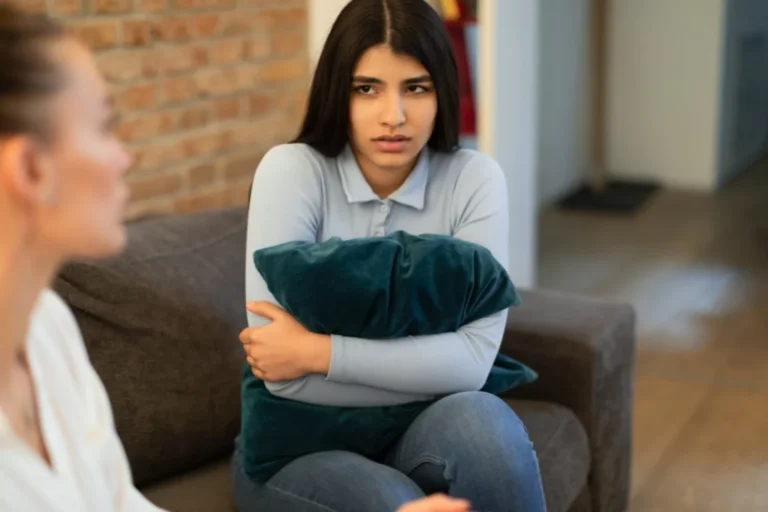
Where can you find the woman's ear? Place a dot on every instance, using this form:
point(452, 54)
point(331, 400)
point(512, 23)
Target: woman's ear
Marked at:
point(26, 172)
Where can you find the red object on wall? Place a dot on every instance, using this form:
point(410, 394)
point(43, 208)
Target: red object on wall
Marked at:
point(466, 95)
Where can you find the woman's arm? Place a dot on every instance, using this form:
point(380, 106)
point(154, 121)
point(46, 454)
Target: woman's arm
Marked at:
point(286, 206)
point(444, 363)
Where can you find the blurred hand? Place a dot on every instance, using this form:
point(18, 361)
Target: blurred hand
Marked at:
point(436, 503)
point(283, 349)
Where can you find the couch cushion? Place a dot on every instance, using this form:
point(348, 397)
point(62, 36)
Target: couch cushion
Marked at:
point(562, 446)
point(207, 489)
point(161, 324)
point(558, 438)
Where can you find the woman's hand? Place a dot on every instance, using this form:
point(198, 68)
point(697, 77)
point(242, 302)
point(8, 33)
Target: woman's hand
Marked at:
point(283, 349)
point(436, 503)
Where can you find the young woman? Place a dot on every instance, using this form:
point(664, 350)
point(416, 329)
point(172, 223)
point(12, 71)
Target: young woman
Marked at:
point(378, 152)
point(61, 196)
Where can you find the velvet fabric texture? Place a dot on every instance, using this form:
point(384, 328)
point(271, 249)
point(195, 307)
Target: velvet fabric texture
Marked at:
point(374, 288)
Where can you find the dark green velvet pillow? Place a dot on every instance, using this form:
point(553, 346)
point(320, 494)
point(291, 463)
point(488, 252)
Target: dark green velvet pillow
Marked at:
point(376, 288)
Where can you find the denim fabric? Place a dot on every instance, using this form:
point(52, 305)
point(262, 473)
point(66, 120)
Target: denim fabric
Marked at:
point(469, 445)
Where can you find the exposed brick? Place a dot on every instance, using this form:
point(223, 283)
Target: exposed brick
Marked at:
point(283, 70)
point(138, 32)
point(179, 89)
point(228, 108)
point(206, 26)
point(242, 22)
point(33, 6)
point(169, 60)
point(204, 144)
point(66, 7)
point(284, 18)
point(202, 175)
point(289, 99)
point(300, 100)
point(257, 47)
point(153, 6)
point(120, 65)
point(184, 28)
point(228, 51)
point(248, 135)
point(288, 43)
point(202, 201)
point(194, 117)
point(154, 156)
point(227, 81)
point(260, 103)
point(139, 97)
point(112, 6)
point(242, 167)
point(162, 184)
point(205, 88)
point(147, 126)
point(205, 4)
point(149, 208)
point(274, 3)
point(96, 34)
point(236, 194)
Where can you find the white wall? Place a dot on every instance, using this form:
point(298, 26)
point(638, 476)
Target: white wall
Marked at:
point(663, 92)
point(508, 117)
point(564, 97)
point(320, 17)
point(744, 109)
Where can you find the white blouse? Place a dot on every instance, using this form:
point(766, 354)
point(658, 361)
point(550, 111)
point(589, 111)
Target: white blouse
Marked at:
point(89, 470)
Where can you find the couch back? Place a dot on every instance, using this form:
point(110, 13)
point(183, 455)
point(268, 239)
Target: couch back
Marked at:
point(161, 325)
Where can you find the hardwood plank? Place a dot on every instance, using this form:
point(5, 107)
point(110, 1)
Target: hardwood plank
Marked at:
point(663, 407)
point(695, 267)
point(718, 463)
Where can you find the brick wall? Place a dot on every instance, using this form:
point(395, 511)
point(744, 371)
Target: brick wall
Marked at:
point(204, 87)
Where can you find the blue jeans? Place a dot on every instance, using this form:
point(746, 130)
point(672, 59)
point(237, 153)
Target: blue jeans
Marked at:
point(468, 445)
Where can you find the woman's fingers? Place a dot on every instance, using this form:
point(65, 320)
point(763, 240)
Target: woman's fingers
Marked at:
point(437, 503)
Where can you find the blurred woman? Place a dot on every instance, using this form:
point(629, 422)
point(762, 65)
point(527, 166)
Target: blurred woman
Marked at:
point(61, 196)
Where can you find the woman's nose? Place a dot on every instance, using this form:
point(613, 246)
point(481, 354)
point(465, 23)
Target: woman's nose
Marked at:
point(393, 113)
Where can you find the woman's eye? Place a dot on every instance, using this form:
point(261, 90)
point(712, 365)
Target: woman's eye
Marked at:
point(364, 89)
point(417, 89)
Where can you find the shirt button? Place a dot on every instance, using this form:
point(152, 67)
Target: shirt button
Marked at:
point(384, 208)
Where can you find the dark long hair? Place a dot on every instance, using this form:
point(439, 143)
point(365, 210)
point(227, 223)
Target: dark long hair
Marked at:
point(28, 73)
point(409, 27)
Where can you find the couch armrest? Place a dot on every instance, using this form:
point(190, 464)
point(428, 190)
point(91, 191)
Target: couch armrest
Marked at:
point(584, 351)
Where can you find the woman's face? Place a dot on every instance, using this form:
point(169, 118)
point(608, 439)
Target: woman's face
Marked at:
point(392, 109)
point(81, 169)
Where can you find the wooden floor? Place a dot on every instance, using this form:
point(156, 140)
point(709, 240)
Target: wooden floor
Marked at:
point(696, 269)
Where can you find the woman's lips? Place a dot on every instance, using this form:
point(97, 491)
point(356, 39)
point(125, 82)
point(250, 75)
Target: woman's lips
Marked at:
point(391, 145)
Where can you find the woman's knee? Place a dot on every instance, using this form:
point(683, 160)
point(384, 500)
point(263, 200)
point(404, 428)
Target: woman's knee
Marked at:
point(483, 417)
point(329, 482)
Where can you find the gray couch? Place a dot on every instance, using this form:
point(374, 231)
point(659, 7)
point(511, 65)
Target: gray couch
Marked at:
point(161, 324)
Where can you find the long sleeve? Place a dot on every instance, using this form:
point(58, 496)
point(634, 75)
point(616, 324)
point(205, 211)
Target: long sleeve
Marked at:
point(286, 205)
point(91, 469)
point(451, 362)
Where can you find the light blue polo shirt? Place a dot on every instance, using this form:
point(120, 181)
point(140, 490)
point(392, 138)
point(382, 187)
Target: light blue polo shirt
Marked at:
point(300, 195)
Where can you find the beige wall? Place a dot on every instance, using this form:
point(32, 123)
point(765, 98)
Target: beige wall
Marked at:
point(663, 90)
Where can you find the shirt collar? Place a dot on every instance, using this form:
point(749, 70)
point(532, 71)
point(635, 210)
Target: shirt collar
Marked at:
point(411, 192)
